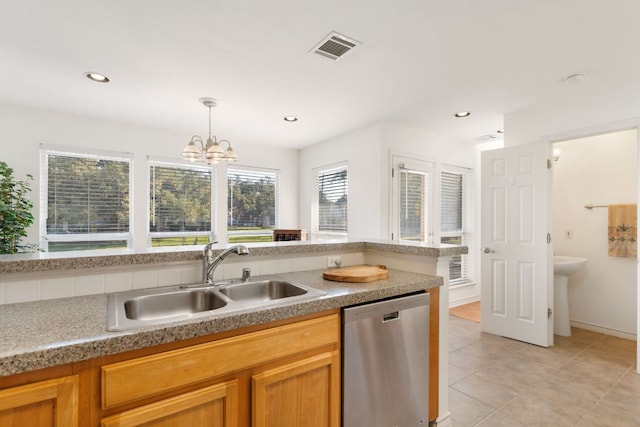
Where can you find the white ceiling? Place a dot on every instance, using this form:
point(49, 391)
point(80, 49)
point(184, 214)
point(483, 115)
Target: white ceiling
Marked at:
point(420, 61)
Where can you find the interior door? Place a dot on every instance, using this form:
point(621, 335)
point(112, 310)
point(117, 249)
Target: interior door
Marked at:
point(517, 273)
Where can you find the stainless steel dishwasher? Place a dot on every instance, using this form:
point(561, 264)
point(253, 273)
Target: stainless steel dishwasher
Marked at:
point(386, 363)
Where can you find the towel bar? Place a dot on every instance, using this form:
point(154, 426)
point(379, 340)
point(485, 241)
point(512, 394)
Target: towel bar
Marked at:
point(590, 206)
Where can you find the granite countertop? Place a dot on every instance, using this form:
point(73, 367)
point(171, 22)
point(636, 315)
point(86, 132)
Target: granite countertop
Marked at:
point(42, 334)
point(40, 261)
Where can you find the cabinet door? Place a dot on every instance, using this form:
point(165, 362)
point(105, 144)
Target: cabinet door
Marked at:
point(299, 394)
point(45, 403)
point(216, 405)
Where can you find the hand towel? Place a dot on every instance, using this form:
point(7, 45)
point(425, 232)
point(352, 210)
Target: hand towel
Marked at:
point(623, 233)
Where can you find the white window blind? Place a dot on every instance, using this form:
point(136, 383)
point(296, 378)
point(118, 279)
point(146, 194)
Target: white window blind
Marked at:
point(251, 204)
point(453, 201)
point(414, 196)
point(332, 187)
point(179, 204)
point(87, 202)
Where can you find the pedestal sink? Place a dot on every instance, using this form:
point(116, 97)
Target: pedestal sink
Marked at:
point(563, 266)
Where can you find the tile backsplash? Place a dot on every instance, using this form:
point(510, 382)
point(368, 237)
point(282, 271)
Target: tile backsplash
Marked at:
point(24, 287)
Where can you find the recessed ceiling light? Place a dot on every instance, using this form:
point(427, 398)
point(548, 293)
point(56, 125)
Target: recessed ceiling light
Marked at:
point(500, 131)
point(96, 77)
point(460, 114)
point(290, 119)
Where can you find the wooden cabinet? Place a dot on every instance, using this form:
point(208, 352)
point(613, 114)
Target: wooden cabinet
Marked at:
point(210, 406)
point(287, 375)
point(305, 393)
point(44, 403)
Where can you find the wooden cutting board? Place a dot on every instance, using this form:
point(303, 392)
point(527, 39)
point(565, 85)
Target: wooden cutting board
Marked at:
point(357, 273)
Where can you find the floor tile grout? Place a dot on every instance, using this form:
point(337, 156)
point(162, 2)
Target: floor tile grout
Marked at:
point(478, 349)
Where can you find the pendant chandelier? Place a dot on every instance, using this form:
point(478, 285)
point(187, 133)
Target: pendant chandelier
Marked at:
point(211, 152)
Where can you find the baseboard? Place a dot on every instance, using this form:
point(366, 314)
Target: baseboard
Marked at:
point(444, 421)
point(464, 301)
point(604, 330)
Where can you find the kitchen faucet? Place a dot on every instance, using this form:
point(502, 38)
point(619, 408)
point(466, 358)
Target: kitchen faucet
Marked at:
point(209, 262)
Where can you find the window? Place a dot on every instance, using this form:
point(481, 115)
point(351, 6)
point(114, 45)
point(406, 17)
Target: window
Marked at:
point(179, 204)
point(453, 210)
point(430, 204)
point(87, 201)
point(412, 199)
point(251, 204)
point(332, 189)
point(414, 194)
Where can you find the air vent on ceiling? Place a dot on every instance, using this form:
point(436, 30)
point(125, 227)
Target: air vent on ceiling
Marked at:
point(335, 46)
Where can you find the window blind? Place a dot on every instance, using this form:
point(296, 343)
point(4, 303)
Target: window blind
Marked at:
point(87, 195)
point(453, 190)
point(414, 196)
point(332, 186)
point(251, 203)
point(451, 194)
point(180, 199)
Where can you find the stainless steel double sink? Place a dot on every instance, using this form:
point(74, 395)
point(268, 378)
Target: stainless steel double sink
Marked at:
point(136, 309)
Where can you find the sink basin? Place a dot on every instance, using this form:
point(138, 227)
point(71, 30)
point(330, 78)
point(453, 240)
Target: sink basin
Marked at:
point(566, 265)
point(157, 306)
point(265, 290)
point(179, 303)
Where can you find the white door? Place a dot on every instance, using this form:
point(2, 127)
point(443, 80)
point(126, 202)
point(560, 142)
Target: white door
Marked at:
point(517, 272)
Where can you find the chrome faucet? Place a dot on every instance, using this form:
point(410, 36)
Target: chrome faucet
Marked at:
point(209, 262)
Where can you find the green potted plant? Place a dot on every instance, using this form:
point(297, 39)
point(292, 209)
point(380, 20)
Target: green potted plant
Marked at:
point(15, 211)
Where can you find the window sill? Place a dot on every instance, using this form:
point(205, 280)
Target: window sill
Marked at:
point(465, 284)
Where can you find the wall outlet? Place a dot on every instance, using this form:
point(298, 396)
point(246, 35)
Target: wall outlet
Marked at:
point(568, 234)
point(334, 261)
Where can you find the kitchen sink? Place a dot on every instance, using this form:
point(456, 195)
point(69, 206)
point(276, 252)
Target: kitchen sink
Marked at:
point(264, 290)
point(157, 306)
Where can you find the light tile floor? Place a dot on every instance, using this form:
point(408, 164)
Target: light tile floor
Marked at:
point(588, 379)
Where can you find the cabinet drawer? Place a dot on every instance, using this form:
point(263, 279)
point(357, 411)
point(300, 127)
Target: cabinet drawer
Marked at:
point(147, 376)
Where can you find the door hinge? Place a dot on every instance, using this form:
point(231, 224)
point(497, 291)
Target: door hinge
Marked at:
point(393, 172)
point(549, 164)
point(549, 313)
point(548, 238)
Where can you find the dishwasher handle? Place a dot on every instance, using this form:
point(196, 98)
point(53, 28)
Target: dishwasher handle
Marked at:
point(385, 308)
point(390, 316)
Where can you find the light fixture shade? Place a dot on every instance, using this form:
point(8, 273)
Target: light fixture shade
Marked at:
point(191, 152)
point(211, 152)
point(214, 151)
point(230, 155)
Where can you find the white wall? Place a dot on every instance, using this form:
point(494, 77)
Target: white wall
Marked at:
point(22, 130)
point(600, 170)
point(361, 150)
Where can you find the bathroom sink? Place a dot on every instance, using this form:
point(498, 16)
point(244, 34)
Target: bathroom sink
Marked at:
point(264, 290)
point(566, 265)
point(157, 306)
point(170, 304)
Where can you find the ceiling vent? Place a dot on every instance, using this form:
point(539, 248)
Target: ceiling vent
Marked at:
point(335, 46)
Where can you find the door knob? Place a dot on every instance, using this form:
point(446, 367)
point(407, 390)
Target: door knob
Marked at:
point(488, 250)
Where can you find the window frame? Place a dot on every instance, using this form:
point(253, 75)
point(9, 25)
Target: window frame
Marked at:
point(177, 164)
point(426, 168)
point(315, 211)
point(47, 150)
point(257, 170)
point(465, 234)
